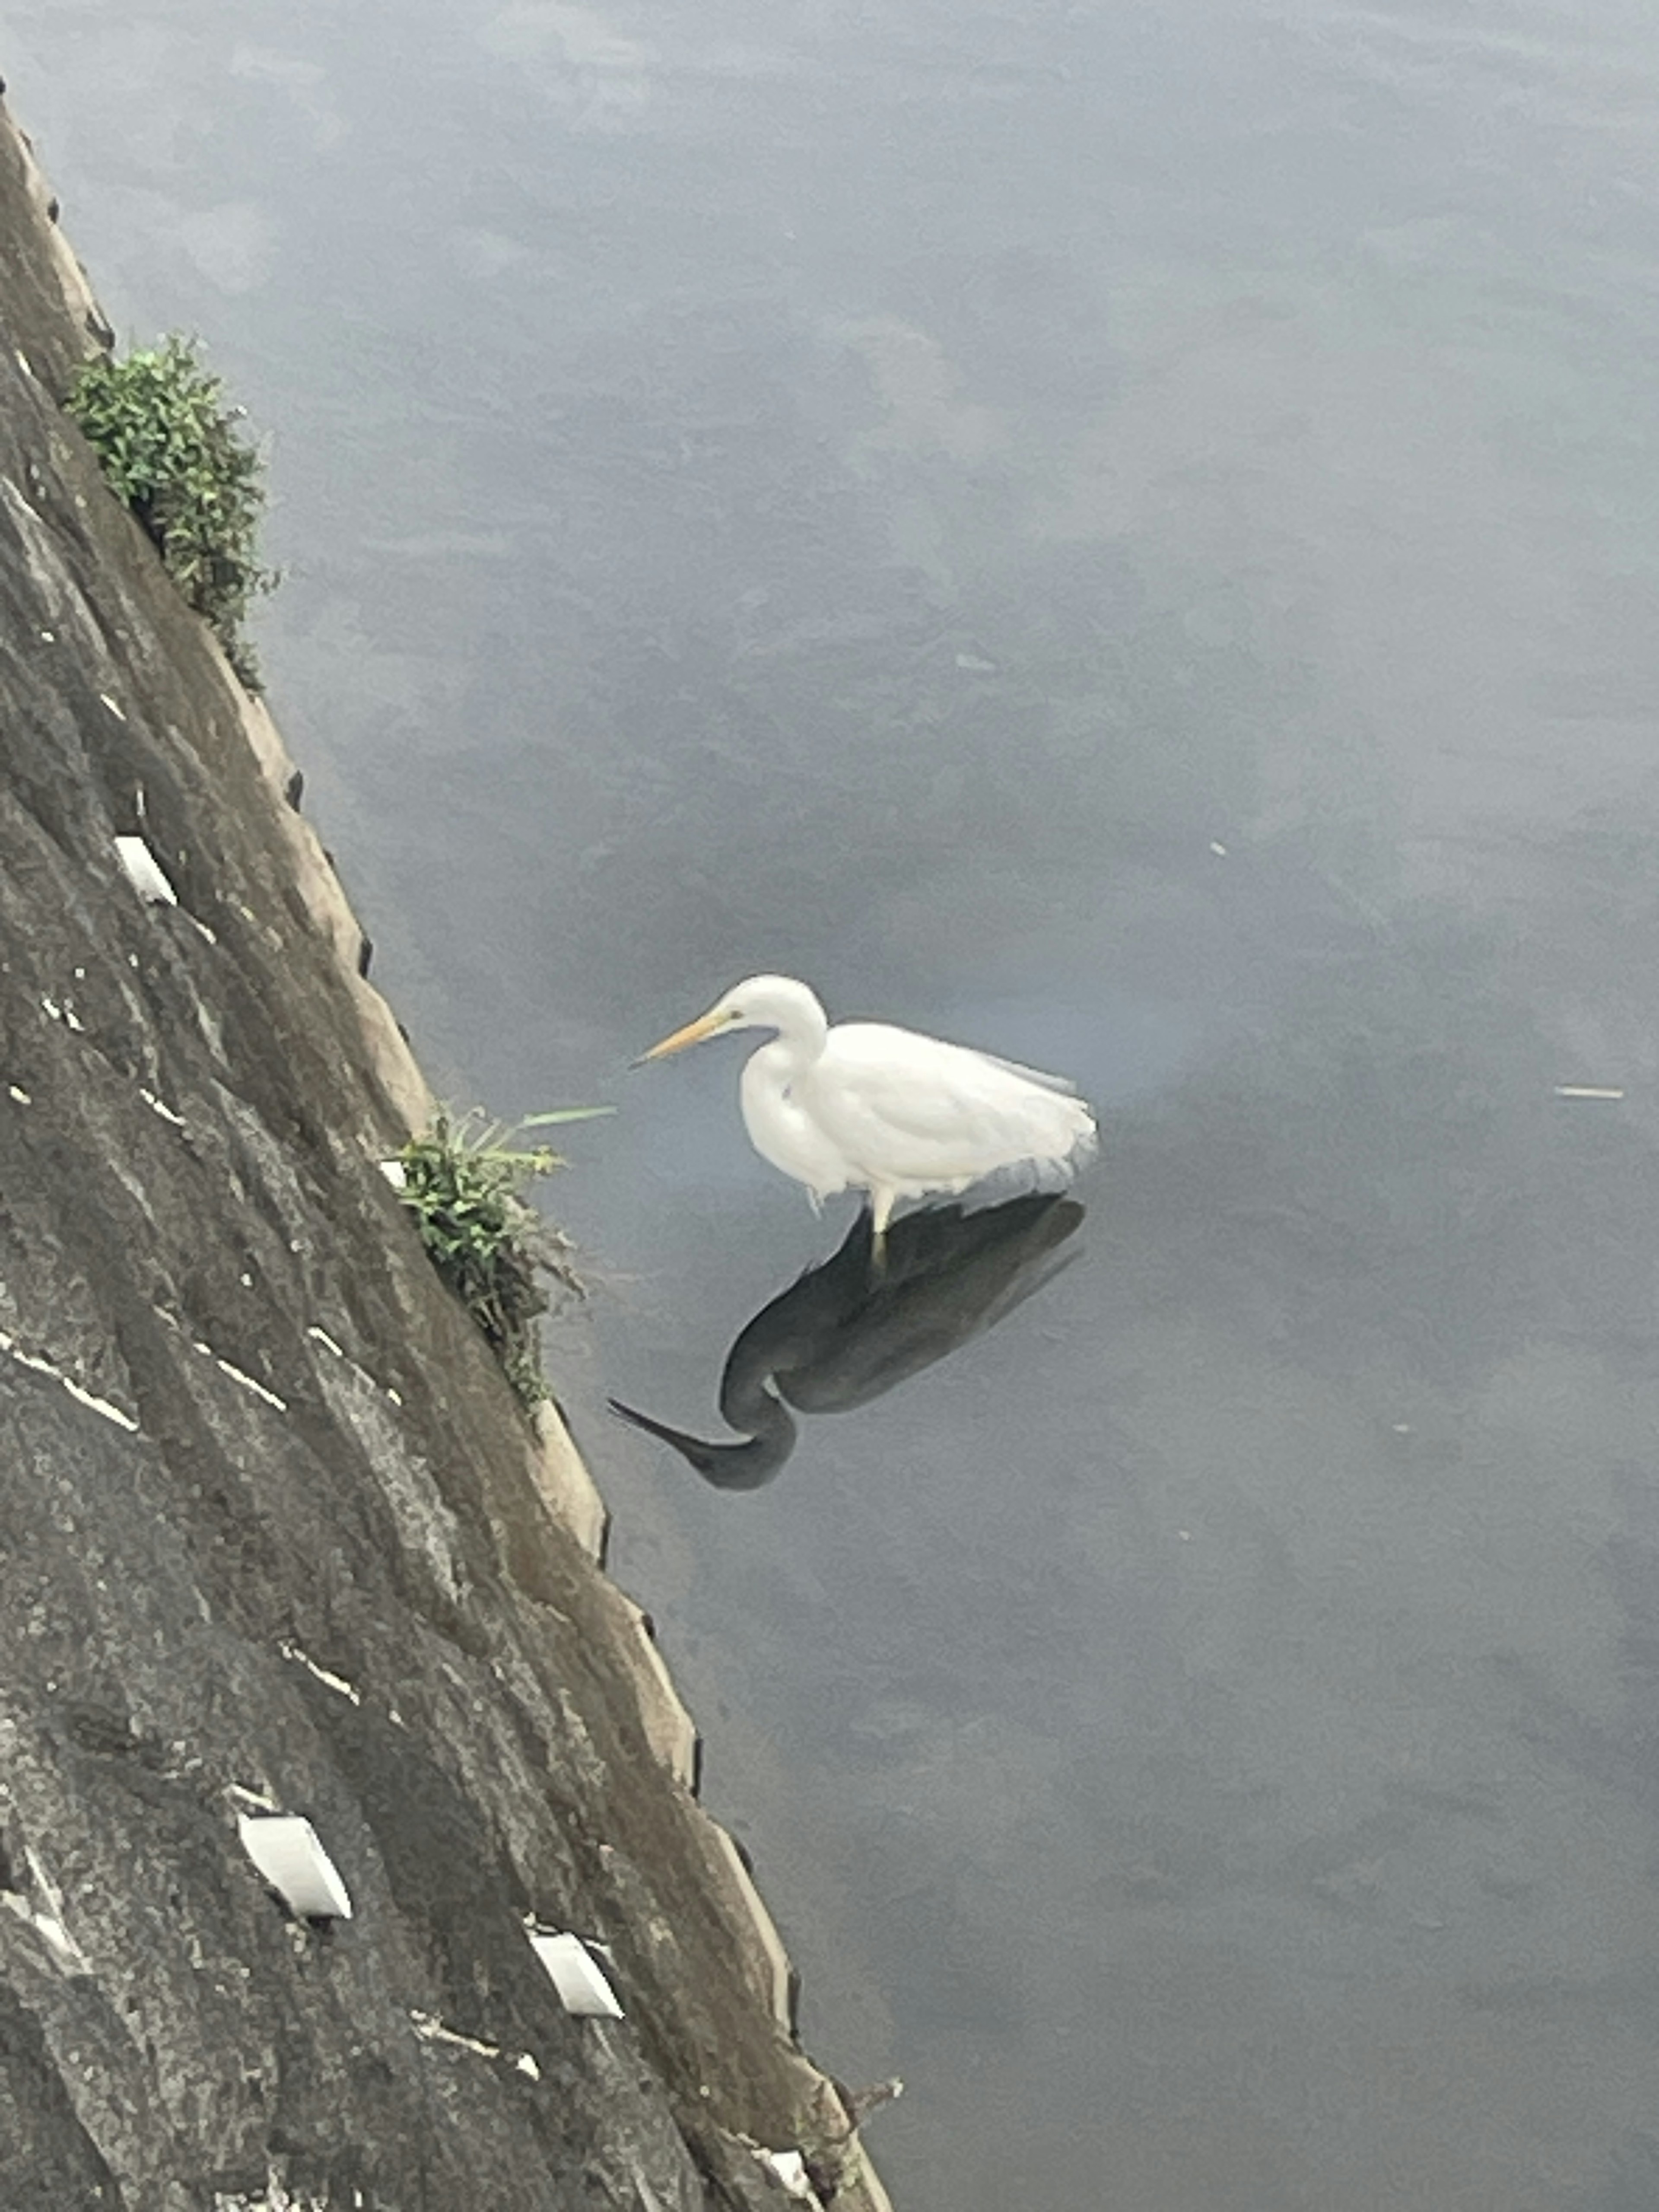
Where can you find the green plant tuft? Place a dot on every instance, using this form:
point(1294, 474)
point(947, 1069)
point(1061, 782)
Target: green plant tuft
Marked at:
point(465, 1187)
point(172, 448)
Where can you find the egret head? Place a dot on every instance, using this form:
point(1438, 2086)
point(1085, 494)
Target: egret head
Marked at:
point(760, 1002)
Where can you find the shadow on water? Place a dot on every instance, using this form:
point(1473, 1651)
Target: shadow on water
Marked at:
point(846, 1331)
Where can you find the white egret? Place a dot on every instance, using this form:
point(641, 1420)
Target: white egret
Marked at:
point(863, 1106)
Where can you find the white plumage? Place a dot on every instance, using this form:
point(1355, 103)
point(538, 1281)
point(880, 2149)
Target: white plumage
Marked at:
point(864, 1106)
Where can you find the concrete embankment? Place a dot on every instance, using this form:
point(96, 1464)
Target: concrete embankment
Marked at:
point(274, 1537)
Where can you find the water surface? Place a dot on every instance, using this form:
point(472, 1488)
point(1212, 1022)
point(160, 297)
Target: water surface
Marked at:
point(1129, 537)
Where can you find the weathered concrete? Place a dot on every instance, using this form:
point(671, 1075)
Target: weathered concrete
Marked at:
point(272, 1526)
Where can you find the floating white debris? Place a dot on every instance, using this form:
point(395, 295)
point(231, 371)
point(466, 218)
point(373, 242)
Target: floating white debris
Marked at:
point(144, 872)
point(287, 1851)
point(111, 704)
point(20, 1095)
point(582, 1988)
point(1585, 1090)
point(157, 1106)
point(790, 2168)
point(1218, 848)
point(327, 1342)
point(394, 1172)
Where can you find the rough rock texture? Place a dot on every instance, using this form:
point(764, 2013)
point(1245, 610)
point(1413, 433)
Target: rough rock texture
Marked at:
point(272, 1528)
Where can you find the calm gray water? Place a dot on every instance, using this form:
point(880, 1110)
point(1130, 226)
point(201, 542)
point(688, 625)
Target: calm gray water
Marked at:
point(1129, 536)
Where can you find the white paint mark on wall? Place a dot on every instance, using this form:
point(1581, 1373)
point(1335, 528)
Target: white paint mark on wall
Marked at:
point(159, 1106)
point(338, 1683)
point(245, 1381)
point(96, 1404)
point(33, 1361)
point(322, 1337)
point(248, 1382)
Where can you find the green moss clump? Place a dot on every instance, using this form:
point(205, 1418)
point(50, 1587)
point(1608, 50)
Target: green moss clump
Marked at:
point(173, 448)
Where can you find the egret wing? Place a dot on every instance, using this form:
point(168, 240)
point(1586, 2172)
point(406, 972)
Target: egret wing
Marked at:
point(914, 1111)
point(1044, 1081)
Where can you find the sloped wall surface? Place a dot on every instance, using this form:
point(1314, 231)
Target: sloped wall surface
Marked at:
point(274, 1535)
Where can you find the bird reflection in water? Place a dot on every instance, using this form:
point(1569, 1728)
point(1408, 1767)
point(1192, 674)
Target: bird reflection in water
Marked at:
point(844, 1333)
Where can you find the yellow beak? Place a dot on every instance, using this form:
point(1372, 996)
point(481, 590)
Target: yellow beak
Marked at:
point(693, 1033)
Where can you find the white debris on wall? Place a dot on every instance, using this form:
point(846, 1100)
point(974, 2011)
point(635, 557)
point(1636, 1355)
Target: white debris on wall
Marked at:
point(790, 2168)
point(144, 872)
point(576, 1975)
point(289, 1853)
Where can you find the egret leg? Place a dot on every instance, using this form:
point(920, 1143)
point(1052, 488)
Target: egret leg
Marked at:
point(881, 1212)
